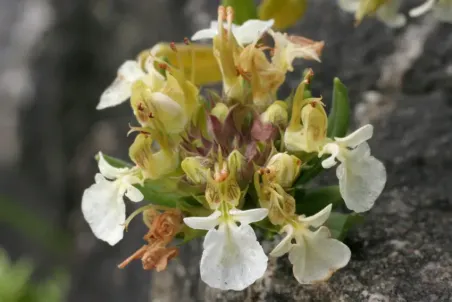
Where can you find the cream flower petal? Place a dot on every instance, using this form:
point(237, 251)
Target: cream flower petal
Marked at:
point(286, 243)
point(248, 216)
point(208, 33)
point(108, 170)
point(104, 209)
point(119, 91)
point(204, 223)
point(169, 112)
point(361, 181)
point(318, 219)
point(232, 259)
point(134, 194)
point(250, 31)
point(422, 9)
point(332, 149)
point(357, 137)
point(316, 256)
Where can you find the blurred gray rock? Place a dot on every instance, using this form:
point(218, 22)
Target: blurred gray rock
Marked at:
point(58, 55)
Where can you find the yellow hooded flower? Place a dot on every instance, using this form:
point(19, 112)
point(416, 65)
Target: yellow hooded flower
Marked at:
point(153, 164)
point(308, 124)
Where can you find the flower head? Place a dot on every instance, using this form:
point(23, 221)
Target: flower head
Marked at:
point(315, 256)
point(103, 205)
point(361, 176)
point(232, 256)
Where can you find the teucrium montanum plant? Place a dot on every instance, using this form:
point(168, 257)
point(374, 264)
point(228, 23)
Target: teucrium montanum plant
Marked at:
point(228, 164)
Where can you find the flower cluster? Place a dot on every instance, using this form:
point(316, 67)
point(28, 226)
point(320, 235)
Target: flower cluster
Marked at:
point(225, 165)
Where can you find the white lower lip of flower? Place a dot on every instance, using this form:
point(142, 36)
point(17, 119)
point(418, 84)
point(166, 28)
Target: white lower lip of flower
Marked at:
point(120, 90)
point(316, 256)
point(232, 259)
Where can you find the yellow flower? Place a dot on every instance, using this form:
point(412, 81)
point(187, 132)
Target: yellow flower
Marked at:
point(167, 104)
point(153, 164)
point(308, 124)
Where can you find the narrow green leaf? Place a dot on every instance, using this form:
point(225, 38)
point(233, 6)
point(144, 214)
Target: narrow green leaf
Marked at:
point(338, 119)
point(115, 162)
point(311, 201)
point(339, 224)
point(244, 10)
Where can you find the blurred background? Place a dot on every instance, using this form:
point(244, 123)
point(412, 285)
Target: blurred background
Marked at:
point(56, 58)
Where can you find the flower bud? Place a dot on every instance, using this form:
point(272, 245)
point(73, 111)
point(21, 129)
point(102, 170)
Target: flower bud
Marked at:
point(220, 111)
point(283, 169)
point(196, 168)
point(276, 114)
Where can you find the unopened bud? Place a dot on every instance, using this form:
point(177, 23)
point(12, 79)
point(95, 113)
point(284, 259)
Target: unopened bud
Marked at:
point(196, 168)
point(220, 111)
point(276, 114)
point(283, 169)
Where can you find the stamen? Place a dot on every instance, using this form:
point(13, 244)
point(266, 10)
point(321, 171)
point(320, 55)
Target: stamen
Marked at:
point(178, 56)
point(192, 53)
point(229, 18)
point(221, 17)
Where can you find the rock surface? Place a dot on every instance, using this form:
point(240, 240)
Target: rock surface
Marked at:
point(399, 80)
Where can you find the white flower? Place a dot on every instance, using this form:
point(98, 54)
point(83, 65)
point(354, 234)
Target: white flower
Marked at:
point(103, 205)
point(361, 176)
point(246, 33)
point(442, 10)
point(232, 257)
point(121, 88)
point(315, 256)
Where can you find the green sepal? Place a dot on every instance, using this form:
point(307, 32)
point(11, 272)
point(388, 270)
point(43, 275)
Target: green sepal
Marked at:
point(312, 201)
point(244, 10)
point(339, 117)
point(339, 224)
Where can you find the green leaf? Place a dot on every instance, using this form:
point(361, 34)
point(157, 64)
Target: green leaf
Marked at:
point(243, 10)
point(161, 192)
point(311, 201)
point(339, 224)
point(115, 162)
point(313, 168)
point(338, 119)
